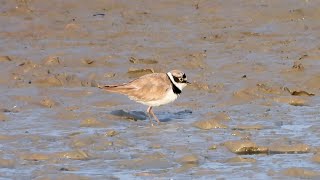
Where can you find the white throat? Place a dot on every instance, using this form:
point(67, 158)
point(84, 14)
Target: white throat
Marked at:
point(178, 85)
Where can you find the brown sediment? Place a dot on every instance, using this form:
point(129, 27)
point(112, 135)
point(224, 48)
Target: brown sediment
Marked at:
point(48, 102)
point(292, 100)
point(313, 82)
point(239, 159)
point(278, 148)
point(3, 117)
point(5, 58)
point(142, 61)
point(66, 115)
point(151, 161)
point(7, 137)
point(105, 103)
point(7, 163)
point(187, 162)
point(50, 81)
point(52, 61)
point(134, 72)
point(92, 122)
point(189, 159)
point(112, 133)
point(248, 127)
point(36, 156)
point(209, 124)
point(316, 158)
point(215, 123)
point(80, 142)
point(75, 155)
point(301, 173)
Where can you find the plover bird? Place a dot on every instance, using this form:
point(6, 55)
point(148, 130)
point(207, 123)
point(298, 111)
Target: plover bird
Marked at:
point(154, 89)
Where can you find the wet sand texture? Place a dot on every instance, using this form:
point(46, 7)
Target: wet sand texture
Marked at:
point(252, 110)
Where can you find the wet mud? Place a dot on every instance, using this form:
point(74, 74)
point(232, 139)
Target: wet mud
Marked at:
point(252, 110)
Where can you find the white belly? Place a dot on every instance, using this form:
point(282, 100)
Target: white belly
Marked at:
point(168, 98)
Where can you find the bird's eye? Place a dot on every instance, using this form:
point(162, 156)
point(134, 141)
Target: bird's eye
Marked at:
point(180, 79)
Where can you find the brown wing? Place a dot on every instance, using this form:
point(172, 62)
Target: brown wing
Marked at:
point(149, 87)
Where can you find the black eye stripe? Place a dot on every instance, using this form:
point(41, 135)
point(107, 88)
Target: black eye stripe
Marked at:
point(176, 79)
point(180, 79)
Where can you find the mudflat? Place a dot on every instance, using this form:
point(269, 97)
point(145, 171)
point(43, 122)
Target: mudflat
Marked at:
point(252, 110)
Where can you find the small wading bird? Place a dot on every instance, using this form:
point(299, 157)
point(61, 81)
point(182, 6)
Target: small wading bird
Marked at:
point(154, 89)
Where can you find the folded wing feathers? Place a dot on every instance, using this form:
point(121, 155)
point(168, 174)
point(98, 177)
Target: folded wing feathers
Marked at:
point(146, 88)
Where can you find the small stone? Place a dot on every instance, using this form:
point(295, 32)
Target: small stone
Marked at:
point(298, 66)
point(111, 133)
point(64, 169)
point(245, 147)
point(88, 61)
point(72, 27)
point(213, 147)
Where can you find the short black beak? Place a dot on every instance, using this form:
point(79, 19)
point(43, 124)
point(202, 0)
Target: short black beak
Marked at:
point(188, 82)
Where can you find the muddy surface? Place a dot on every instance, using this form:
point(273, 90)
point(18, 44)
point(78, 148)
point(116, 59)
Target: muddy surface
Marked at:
point(252, 110)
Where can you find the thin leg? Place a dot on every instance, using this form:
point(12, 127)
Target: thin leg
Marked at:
point(148, 111)
point(154, 116)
